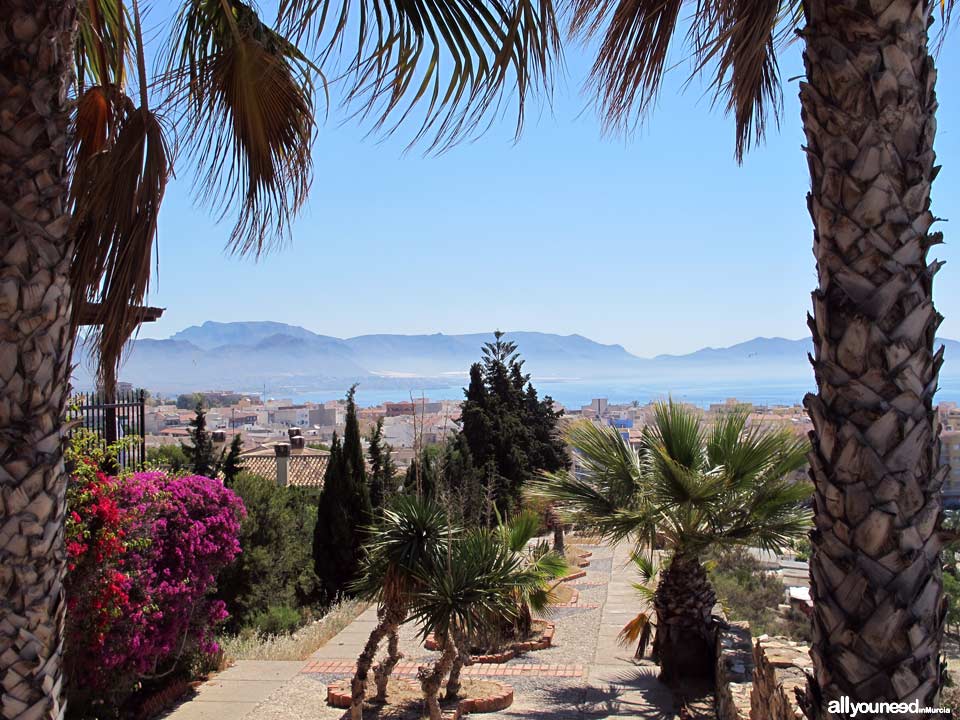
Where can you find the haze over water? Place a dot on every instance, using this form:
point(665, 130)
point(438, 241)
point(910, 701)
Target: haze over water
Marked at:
point(576, 393)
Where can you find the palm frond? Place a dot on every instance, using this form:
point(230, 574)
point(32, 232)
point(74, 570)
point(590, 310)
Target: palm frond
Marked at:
point(454, 60)
point(678, 431)
point(631, 60)
point(520, 530)
point(639, 631)
point(101, 47)
point(737, 39)
point(245, 98)
point(607, 459)
point(114, 226)
point(116, 194)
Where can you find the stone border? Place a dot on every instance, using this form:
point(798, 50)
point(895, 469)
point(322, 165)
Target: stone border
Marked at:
point(339, 696)
point(576, 575)
point(545, 641)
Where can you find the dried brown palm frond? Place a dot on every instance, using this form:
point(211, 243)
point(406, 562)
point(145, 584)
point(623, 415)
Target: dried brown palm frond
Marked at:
point(245, 98)
point(121, 165)
point(114, 226)
point(99, 112)
point(451, 61)
point(737, 39)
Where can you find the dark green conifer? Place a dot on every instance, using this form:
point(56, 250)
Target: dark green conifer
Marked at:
point(382, 469)
point(342, 512)
point(201, 458)
point(231, 465)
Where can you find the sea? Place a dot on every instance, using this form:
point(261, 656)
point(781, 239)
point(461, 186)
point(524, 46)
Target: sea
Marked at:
point(576, 393)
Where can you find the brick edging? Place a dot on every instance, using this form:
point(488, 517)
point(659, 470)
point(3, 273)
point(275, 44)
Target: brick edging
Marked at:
point(545, 641)
point(339, 696)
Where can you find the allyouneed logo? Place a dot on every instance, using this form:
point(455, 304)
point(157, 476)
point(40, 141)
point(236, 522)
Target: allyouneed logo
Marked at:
point(847, 708)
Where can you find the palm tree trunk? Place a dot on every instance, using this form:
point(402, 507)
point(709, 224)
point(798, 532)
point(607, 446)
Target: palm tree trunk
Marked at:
point(358, 686)
point(432, 679)
point(684, 601)
point(556, 521)
point(36, 51)
point(868, 112)
point(385, 668)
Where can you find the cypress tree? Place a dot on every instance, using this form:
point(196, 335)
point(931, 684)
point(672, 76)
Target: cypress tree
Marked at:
point(382, 469)
point(200, 456)
point(231, 464)
point(342, 511)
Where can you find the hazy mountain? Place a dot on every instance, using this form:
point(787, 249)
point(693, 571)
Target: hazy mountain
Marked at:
point(545, 354)
point(249, 355)
point(216, 334)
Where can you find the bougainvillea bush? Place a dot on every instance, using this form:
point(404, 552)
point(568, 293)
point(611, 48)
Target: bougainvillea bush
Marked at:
point(144, 551)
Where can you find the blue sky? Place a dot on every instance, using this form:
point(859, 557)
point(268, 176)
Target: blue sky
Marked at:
point(659, 242)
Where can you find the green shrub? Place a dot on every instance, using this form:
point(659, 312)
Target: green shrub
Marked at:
point(167, 457)
point(275, 567)
point(746, 591)
point(276, 620)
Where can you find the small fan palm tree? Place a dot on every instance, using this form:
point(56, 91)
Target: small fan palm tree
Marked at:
point(540, 566)
point(407, 544)
point(689, 489)
point(469, 594)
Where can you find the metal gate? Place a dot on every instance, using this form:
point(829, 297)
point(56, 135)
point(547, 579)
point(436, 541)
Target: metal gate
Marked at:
point(121, 418)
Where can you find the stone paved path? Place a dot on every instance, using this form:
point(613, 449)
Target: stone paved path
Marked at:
point(586, 675)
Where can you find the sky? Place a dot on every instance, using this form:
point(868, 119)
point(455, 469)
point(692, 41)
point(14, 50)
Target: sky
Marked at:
point(658, 241)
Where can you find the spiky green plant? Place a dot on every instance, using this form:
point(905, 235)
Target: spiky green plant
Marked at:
point(468, 595)
point(689, 488)
point(409, 541)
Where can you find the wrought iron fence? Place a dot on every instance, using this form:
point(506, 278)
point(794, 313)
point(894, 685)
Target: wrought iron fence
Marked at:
point(122, 417)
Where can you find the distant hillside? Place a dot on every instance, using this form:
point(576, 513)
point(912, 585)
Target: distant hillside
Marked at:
point(249, 355)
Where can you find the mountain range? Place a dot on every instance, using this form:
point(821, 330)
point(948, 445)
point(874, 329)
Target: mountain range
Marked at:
point(246, 356)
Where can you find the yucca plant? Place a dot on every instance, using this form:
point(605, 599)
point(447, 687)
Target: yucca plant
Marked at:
point(690, 488)
point(472, 592)
point(409, 541)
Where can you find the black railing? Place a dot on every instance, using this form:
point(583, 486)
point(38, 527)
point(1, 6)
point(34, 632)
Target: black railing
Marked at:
point(123, 417)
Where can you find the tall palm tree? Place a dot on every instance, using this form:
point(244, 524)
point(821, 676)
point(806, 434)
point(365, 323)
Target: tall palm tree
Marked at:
point(87, 144)
point(868, 110)
point(408, 542)
point(689, 489)
point(469, 594)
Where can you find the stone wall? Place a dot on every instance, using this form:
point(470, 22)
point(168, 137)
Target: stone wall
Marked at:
point(757, 681)
point(779, 668)
point(734, 671)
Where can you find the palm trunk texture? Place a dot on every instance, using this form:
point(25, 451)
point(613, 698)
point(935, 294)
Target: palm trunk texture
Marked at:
point(36, 52)
point(684, 601)
point(868, 107)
